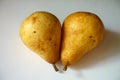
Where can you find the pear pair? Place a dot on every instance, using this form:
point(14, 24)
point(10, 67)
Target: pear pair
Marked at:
point(42, 33)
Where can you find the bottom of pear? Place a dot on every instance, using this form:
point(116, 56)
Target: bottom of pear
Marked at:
point(55, 67)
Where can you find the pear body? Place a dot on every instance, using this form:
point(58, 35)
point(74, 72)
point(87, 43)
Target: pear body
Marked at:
point(81, 32)
point(41, 33)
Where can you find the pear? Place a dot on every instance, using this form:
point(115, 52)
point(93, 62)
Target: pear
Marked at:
point(81, 32)
point(41, 33)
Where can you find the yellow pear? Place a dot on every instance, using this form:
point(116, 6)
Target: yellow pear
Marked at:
point(81, 32)
point(41, 32)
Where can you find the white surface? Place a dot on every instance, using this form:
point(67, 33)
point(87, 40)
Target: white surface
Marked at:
point(18, 63)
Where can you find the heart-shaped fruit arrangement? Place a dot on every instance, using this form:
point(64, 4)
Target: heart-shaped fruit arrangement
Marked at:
point(42, 33)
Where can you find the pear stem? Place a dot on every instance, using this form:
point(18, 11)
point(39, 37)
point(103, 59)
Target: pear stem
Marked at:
point(55, 67)
point(65, 67)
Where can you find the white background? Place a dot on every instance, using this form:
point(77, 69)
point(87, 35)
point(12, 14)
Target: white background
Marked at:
point(19, 63)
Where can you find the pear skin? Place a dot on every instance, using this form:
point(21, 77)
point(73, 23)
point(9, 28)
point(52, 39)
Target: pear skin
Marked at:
point(81, 32)
point(41, 33)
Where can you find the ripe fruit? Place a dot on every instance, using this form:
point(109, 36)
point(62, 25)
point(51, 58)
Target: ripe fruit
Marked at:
point(81, 32)
point(41, 32)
